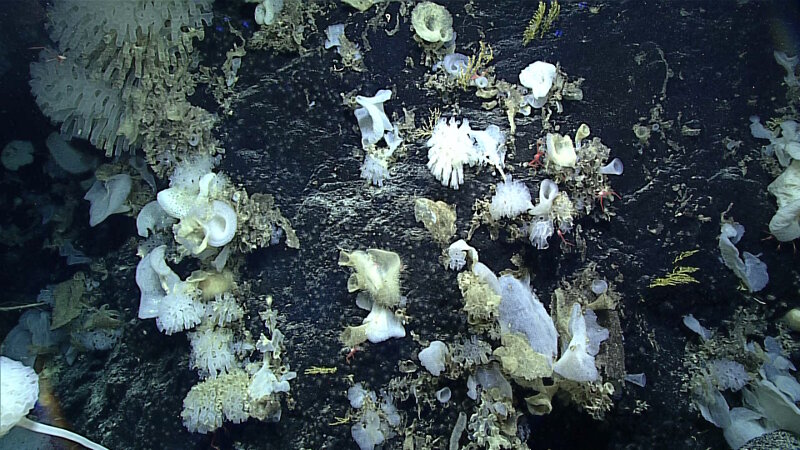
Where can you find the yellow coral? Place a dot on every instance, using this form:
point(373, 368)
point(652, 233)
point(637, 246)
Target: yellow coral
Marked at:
point(539, 23)
point(476, 65)
point(533, 26)
point(426, 129)
point(680, 274)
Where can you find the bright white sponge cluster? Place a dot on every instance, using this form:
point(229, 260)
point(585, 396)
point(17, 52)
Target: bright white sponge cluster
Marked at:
point(212, 351)
point(204, 220)
point(452, 145)
point(19, 390)
point(164, 296)
point(511, 199)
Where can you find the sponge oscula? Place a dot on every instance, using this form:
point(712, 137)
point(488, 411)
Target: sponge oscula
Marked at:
point(204, 221)
point(220, 227)
point(19, 389)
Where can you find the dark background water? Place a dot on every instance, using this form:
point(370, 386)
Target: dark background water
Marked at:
point(723, 71)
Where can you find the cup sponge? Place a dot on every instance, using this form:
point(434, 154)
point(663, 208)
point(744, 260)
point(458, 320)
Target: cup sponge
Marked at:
point(377, 272)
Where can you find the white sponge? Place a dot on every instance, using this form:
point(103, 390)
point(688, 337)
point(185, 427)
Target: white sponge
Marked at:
point(577, 361)
point(433, 357)
point(212, 351)
point(108, 197)
point(511, 199)
point(19, 390)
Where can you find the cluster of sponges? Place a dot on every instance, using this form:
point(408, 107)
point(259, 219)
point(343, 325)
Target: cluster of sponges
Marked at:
point(759, 378)
point(198, 200)
point(578, 166)
point(376, 126)
point(210, 213)
point(164, 296)
point(204, 214)
point(91, 89)
point(512, 199)
point(375, 421)
point(453, 145)
point(235, 390)
point(530, 339)
point(203, 219)
point(785, 145)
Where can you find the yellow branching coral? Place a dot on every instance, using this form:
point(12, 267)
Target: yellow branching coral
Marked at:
point(339, 421)
point(552, 15)
point(541, 22)
point(476, 65)
point(426, 129)
point(533, 26)
point(680, 274)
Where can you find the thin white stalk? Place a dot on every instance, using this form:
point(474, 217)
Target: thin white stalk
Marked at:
point(58, 432)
